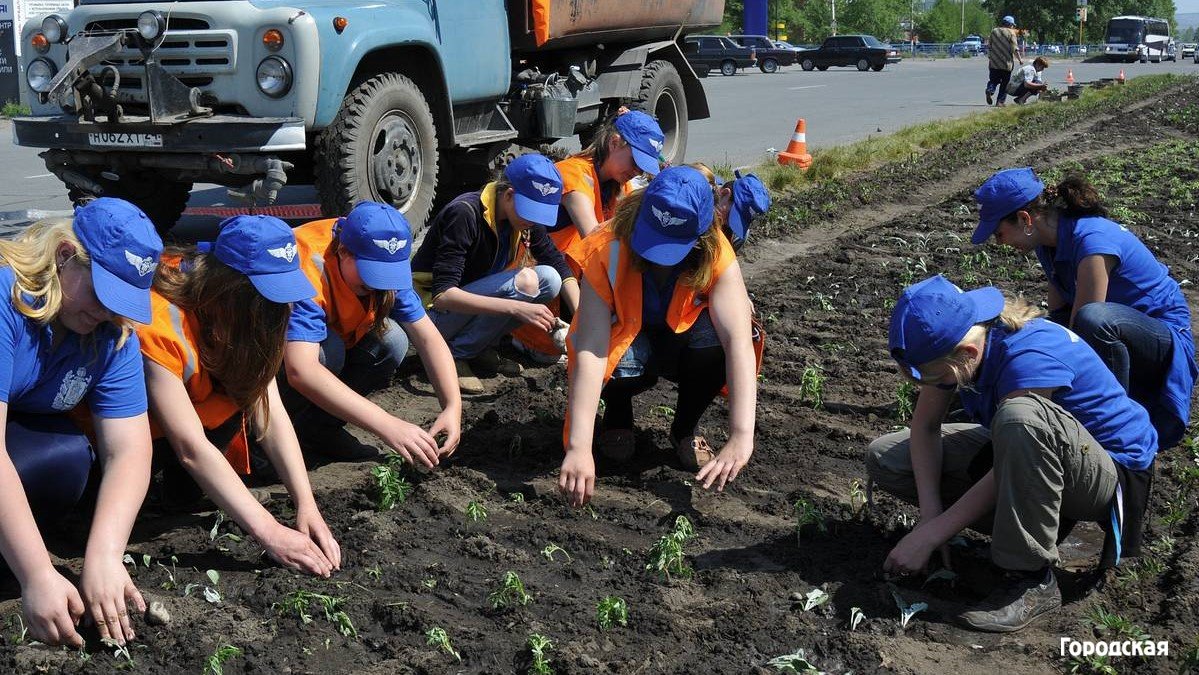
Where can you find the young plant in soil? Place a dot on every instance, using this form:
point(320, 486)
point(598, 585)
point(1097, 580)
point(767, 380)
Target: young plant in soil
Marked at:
point(215, 663)
point(806, 514)
point(905, 400)
point(552, 548)
point(794, 664)
point(857, 497)
point(299, 602)
point(811, 386)
point(1092, 665)
point(610, 611)
point(437, 637)
point(392, 488)
point(906, 611)
point(666, 555)
point(539, 647)
point(856, 616)
point(476, 512)
point(511, 593)
point(815, 598)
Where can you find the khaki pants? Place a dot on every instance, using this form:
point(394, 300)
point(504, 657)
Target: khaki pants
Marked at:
point(1047, 467)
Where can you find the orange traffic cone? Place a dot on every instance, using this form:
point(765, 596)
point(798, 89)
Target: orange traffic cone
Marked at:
point(1069, 76)
point(796, 153)
point(1120, 79)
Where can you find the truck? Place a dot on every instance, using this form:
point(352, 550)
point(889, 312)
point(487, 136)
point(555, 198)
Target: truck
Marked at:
point(397, 101)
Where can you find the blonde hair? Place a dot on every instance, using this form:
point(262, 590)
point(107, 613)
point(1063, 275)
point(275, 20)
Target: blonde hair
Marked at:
point(1016, 313)
point(37, 288)
point(699, 267)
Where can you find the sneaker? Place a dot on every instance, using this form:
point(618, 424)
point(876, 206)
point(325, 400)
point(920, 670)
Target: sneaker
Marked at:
point(1000, 104)
point(535, 355)
point(694, 452)
point(1015, 603)
point(990, 99)
point(490, 359)
point(468, 382)
point(336, 443)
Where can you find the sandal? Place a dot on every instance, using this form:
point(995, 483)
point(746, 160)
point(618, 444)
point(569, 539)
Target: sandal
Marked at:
point(694, 452)
point(617, 444)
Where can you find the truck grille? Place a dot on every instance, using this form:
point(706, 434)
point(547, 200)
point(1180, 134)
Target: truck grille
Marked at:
point(186, 53)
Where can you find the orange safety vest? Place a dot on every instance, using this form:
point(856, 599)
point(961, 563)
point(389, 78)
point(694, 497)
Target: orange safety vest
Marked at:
point(346, 313)
point(171, 340)
point(578, 175)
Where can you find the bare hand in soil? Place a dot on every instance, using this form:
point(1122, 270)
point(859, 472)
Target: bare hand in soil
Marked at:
point(52, 609)
point(449, 422)
point(534, 314)
point(109, 595)
point(910, 555)
point(296, 550)
point(728, 463)
point(576, 481)
point(311, 523)
point(412, 443)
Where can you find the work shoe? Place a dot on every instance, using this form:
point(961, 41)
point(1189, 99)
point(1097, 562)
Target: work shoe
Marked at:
point(990, 100)
point(468, 382)
point(334, 442)
point(1015, 603)
point(694, 452)
point(490, 359)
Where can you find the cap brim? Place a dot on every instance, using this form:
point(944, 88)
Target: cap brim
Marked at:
point(983, 232)
point(535, 211)
point(988, 303)
point(657, 249)
point(289, 286)
point(119, 296)
point(737, 223)
point(385, 276)
point(645, 161)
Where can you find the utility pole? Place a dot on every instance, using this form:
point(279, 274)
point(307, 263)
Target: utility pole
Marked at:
point(834, 23)
point(962, 34)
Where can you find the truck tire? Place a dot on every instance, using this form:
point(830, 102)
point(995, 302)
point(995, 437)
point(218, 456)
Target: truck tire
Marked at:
point(161, 200)
point(863, 65)
point(808, 65)
point(768, 66)
point(662, 96)
point(381, 146)
point(878, 67)
point(728, 68)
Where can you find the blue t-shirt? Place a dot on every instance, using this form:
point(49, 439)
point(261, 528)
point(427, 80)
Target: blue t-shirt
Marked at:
point(655, 300)
point(35, 378)
point(309, 323)
point(1139, 281)
point(1045, 355)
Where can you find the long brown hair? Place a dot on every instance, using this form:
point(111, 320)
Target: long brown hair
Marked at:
point(698, 268)
point(597, 152)
point(1074, 197)
point(379, 302)
point(241, 332)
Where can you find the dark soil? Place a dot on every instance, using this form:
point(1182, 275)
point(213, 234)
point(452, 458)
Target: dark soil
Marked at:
point(824, 293)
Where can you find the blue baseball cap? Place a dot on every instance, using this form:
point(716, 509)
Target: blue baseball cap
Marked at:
point(645, 137)
point(1009, 20)
point(264, 249)
point(676, 210)
point(932, 316)
point(124, 248)
point(1003, 194)
point(380, 239)
point(750, 200)
point(538, 187)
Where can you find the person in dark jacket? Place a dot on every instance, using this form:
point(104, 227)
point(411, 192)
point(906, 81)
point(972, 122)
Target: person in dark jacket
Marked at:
point(487, 266)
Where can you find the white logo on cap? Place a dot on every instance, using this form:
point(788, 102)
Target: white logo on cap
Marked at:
point(657, 144)
point(287, 253)
point(666, 217)
point(545, 189)
point(390, 245)
point(143, 266)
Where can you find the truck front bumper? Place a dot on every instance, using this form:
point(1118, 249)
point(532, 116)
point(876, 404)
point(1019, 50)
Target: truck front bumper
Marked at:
point(216, 134)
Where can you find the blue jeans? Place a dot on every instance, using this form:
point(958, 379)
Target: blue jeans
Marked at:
point(469, 334)
point(53, 458)
point(997, 83)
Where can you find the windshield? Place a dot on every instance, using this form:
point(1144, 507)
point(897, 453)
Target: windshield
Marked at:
point(872, 41)
point(1125, 31)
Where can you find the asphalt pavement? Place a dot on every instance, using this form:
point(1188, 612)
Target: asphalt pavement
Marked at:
point(752, 113)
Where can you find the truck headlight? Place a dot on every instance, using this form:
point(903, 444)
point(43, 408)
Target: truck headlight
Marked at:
point(274, 76)
point(39, 74)
point(151, 25)
point(54, 27)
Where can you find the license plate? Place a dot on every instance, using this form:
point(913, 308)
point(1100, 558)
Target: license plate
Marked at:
point(120, 140)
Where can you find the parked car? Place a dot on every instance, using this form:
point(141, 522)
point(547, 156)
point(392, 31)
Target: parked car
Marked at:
point(863, 51)
point(1187, 50)
point(769, 56)
point(973, 44)
point(1076, 50)
point(707, 52)
point(783, 44)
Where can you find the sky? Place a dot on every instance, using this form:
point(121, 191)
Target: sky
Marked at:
point(1186, 6)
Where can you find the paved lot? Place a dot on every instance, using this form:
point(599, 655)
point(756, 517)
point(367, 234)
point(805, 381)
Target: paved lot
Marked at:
point(751, 113)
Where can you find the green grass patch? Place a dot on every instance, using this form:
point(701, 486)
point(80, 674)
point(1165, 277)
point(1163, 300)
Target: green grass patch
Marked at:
point(14, 109)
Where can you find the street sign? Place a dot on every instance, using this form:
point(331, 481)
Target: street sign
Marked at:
point(10, 89)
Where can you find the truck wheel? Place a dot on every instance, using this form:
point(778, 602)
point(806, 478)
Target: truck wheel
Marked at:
point(863, 65)
point(161, 200)
point(822, 68)
point(808, 64)
point(768, 66)
point(878, 67)
point(381, 146)
point(728, 68)
point(662, 96)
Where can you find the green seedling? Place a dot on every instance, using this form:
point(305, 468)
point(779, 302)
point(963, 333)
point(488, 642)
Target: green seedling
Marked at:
point(429, 583)
point(552, 548)
point(437, 637)
point(214, 664)
point(857, 497)
point(610, 611)
point(815, 598)
point(120, 653)
point(476, 512)
point(511, 593)
point(1092, 665)
point(806, 514)
point(666, 556)
point(1109, 622)
point(906, 611)
point(825, 302)
point(216, 536)
point(1190, 660)
point(794, 664)
point(517, 497)
point(375, 573)
point(665, 411)
point(393, 489)
point(811, 386)
point(300, 602)
point(856, 616)
point(211, 594)
point(20, 632)
point(539, 647)
point(146, 560)
point(905, 400)
point(170, 584)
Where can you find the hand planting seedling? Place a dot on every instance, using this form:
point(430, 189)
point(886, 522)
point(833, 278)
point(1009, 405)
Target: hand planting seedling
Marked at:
point(855, 617)
point(298, 603)
point(905, 400)
point(476, 512)
point(610, 611)
point(539, 647)
point(214, 664)
point(815, 598)
point(666, 555)
point(120, 653)
point(552, 548)
point(511, 593)
point(794, 664)
point(437, 637)
point(811, 386)
point(906, 611)
point(392, 487)
point(806, 514)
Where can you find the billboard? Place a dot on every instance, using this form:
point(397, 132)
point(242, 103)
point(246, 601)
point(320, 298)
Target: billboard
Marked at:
point(10, 89)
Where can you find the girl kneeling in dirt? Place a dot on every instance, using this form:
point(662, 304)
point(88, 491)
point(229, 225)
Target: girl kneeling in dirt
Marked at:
point(1104, 284)
point(662, 294)
point(1043, 404)
point(212, 353)
point(65, 340)
point(348, 340)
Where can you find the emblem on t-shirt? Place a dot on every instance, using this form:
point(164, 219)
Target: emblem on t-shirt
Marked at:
point(546, 189)
point(143, 266)
point(74, 386)
point(287, 253)
point(390, 245)
point(666, 218)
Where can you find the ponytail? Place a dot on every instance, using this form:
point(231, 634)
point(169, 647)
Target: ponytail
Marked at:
point(1076, 197)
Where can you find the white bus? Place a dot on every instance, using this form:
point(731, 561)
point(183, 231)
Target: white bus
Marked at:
point(1143, 38)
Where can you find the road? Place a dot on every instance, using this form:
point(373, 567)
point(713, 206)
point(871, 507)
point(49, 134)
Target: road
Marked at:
point(751, 113)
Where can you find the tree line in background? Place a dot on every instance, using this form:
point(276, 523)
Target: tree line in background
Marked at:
point(810, 21)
